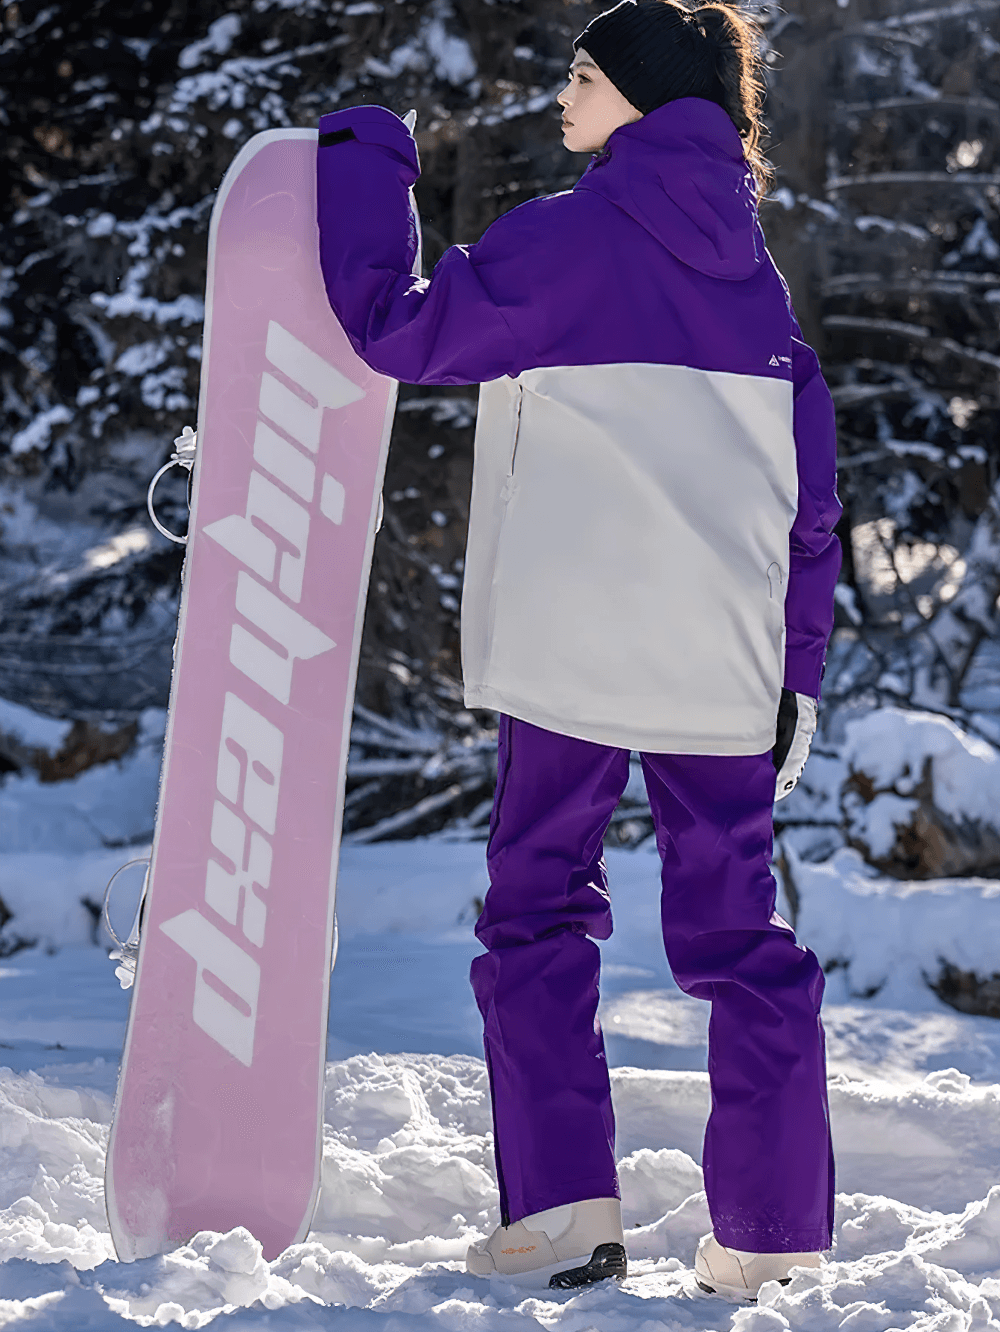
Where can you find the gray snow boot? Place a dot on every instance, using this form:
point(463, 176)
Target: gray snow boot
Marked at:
point(739, 1275)
point(561, 1248)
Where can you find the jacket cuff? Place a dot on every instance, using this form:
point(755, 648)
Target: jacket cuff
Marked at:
point(804, 670)
point(370, 124)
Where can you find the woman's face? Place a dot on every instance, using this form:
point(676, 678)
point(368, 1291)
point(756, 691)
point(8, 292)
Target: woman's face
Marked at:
point(593, 108)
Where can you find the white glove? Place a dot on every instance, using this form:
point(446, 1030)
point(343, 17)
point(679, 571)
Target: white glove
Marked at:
point(796, 728)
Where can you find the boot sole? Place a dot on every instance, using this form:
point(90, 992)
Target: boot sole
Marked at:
point(733, 1292)
point(606, 1261)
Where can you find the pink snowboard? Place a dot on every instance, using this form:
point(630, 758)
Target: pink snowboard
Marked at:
point(219, 1113)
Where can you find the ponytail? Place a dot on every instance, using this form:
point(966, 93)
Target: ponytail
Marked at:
point(735, 39)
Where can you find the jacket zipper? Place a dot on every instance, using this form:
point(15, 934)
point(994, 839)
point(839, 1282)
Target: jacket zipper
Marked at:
point(508, 489)
point(504, 1205)
point(505, 497)
point(517, 426)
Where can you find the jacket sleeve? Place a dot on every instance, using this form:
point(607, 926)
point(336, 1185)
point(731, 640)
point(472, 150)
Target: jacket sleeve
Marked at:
point(451, 328)
point(814, 563)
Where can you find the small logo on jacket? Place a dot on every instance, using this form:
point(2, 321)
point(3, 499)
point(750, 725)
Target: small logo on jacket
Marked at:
point(780, 360)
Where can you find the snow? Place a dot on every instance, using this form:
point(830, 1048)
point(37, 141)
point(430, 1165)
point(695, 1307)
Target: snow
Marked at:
point(889, 933)
point(877, 823)
point(185, 309)
point(452, 55)
point(228, 84)
point(118, 547)
point(221, 35)
point(433, 48)
point(31, 729)
point(36, 434)
point(900, 755)
point(407, 1174)
point(102, 225)
point(109, 805)
point(142, 357)
point(890, 746)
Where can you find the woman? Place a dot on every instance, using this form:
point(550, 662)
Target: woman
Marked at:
point(650, 567)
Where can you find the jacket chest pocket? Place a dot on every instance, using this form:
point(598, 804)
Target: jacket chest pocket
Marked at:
point(775, 606)
point(775, 582)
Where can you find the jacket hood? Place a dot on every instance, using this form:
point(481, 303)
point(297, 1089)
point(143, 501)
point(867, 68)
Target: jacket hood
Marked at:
point(680, 173)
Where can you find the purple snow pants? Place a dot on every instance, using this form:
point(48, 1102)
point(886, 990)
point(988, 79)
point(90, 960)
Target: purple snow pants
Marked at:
point(767, 1158)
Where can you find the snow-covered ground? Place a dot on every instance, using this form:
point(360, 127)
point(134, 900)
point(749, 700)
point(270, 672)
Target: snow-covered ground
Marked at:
point(407, 1167)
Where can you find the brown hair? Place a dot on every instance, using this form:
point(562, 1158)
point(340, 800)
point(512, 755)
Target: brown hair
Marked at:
point(737, 38)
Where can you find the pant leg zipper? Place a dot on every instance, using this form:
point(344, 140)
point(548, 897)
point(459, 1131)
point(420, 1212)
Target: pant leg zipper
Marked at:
point(504, 1205)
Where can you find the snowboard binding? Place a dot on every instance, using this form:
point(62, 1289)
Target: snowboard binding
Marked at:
point(182, 456)
point(126, 954)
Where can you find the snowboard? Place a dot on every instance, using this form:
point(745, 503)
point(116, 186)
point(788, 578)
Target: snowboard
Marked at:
point(218, 1115)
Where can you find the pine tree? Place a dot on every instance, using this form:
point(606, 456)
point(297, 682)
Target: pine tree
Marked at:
point(119, 121)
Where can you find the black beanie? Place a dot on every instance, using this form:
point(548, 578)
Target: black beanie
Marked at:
point(653, 53)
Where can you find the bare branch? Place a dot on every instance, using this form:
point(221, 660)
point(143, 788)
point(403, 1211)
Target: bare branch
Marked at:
point(973, 178)
point(878, 325)
point(384, 767)
point(361, 793)
point(960, 9)
point(407, 817)
point(482, 811)
point(915, 331)
point(938, 282)
point(407, 540)
point(417, 740)
point(902, 103)
point(622, 815)
point(378, 740)
point(849, 395)
point(859, 459)
point(774, 31)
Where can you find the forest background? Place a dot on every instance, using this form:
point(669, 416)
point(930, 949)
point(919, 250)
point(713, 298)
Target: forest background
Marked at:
point(119, 120)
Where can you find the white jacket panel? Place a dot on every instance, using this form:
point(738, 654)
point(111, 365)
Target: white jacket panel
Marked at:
point(628, 555)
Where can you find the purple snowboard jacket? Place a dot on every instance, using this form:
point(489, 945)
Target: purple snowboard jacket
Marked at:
point(651, 550)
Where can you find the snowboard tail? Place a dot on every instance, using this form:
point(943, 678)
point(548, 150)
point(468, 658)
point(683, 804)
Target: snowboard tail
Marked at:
point(218, 1115)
